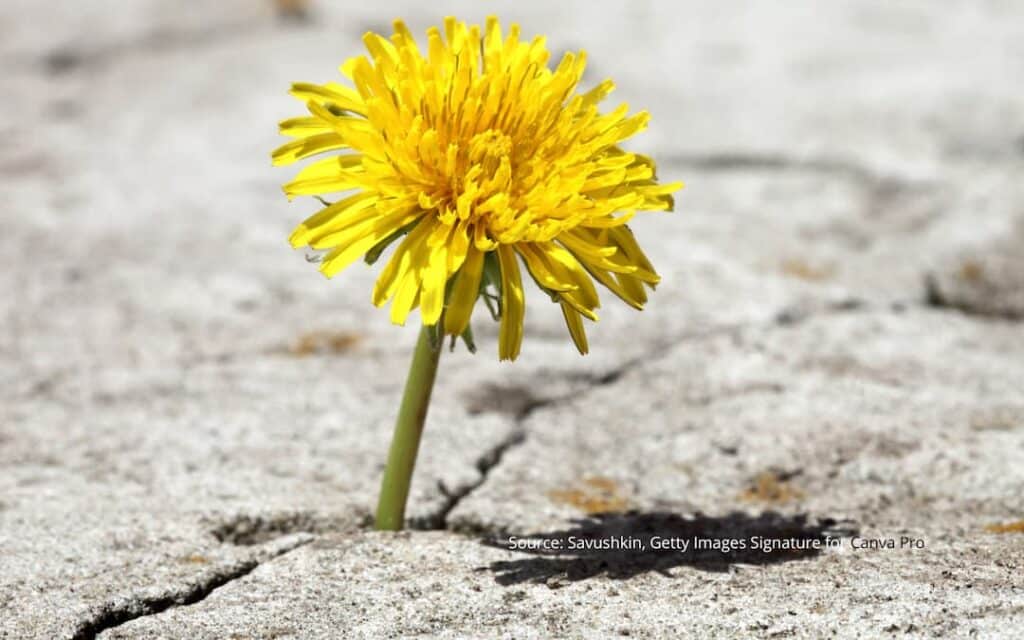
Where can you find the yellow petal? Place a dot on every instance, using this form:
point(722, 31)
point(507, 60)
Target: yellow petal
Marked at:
point(404, 38)
point(480, 239)
point(629, 293)
point(567, 268)
point(406, 297)
point(381, 49)
point(357, 240)
point(574, 322)
point(628, 259)
point(304, 126)
point(537, 267)
point(624, 239)
point(358, 133)
point(408, 290)
point(393, 273)
point(305, 147)
point(334, 216)
point(513, 308)
point(329, 175)
point(605, 222)
point(633, 287)
point(465, 290)
point(331, 93)
point(435, 276)
point(598, 93)
point(458, 247)
point(587, 247)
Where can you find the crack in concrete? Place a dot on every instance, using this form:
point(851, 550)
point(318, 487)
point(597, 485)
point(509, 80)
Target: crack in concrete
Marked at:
point(493, 457)
point(67, 59)
point(748, 161)
point(245, 530)
point(788, 316)
point(484, 464)
point(116, 613)
point(793, 315)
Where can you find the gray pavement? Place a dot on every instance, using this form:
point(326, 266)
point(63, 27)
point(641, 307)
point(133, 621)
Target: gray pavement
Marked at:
point(193, 421)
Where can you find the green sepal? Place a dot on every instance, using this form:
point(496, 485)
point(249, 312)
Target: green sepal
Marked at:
point(436, 334)
point(376, 250)
point(491, 277)
point(467, 337)
point(335, 110)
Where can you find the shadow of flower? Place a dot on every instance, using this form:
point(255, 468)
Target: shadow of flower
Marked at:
point(624, 545)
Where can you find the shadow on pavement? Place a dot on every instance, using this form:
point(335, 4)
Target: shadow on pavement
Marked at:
point(625, 545)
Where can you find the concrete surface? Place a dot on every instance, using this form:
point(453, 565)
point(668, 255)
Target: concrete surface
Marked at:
point(192, 421)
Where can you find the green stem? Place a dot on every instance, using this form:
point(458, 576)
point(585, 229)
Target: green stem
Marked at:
point(394, 490)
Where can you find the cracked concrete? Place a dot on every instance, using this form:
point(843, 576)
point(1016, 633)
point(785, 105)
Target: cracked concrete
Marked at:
point(118, 612)
point(910, 379)
point(192, 421)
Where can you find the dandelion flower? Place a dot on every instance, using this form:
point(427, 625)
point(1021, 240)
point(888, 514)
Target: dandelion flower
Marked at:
point(475, 157)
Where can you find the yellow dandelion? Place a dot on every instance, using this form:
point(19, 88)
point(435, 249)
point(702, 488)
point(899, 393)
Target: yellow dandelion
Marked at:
point(476, 156)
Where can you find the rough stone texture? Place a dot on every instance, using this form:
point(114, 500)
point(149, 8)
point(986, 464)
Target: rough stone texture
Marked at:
point(985, 279)
point(437, 585)
point(858, 407)
point(192, 422)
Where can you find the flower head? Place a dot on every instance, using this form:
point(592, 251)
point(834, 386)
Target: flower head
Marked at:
point(477, 156)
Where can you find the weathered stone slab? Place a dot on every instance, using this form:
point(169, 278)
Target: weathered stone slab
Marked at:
point(440, 585)
point(129, 481)
point(891, 418)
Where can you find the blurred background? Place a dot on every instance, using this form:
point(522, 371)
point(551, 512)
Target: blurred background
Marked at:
point(143, 220)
